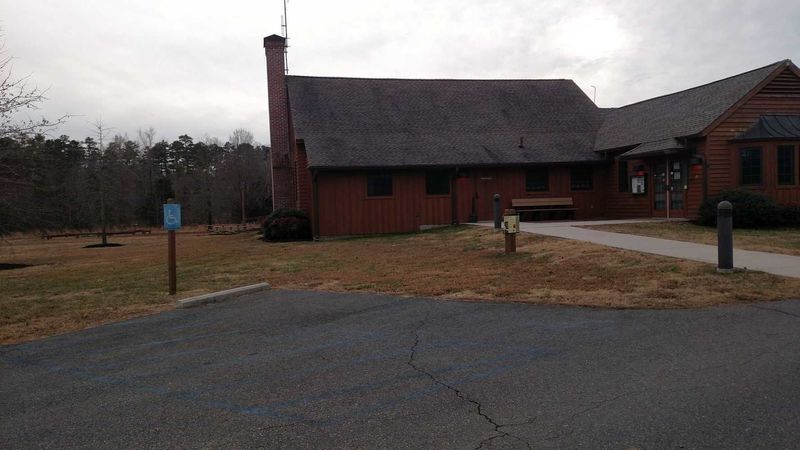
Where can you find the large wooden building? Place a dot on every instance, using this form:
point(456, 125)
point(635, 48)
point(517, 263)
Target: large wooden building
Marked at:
point(393, 155)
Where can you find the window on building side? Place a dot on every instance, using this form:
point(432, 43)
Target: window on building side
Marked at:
point(786, 165)
point(379, 184)
point(750, 165)
point(580, 179)
point(537, 179)
point(437, 182)
point(622, 176)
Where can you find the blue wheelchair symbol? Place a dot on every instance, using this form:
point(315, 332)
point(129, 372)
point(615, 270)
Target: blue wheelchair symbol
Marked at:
point(172, 216)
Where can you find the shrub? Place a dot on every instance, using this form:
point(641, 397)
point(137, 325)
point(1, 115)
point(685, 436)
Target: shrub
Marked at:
point(750, 210)
point(286, 224)
point(791, 216)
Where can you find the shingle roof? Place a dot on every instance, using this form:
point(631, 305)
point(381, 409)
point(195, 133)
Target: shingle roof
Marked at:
point(655, 147)
point(680, 114)
point(772, 127)
point(359, 122)
point(353, 122)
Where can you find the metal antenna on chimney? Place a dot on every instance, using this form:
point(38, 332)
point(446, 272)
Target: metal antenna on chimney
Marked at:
point(285, 28)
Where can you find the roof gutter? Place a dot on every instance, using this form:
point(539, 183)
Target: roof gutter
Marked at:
point(598, 162)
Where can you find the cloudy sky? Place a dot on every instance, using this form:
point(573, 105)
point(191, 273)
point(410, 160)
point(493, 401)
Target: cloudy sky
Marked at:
point(197, 66)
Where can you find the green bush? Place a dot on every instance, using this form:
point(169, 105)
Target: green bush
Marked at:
point(791, 216)
point(750, 210)
point(286, 224)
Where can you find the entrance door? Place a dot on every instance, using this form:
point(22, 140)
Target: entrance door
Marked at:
point(670, 179)
point(486, 188)
point(678, 180)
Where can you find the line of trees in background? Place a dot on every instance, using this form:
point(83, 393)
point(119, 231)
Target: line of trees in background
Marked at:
point(64, 183)
point(96, 183)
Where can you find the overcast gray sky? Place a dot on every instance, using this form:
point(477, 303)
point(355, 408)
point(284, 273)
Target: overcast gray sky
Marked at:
point(197, 67)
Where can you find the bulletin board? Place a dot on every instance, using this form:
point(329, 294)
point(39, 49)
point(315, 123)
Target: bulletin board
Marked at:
point(639, 185)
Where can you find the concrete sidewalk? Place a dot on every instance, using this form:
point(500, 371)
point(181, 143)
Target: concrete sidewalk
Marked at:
point(785, 265)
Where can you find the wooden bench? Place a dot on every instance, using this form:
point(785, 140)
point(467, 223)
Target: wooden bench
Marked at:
point(553, 207)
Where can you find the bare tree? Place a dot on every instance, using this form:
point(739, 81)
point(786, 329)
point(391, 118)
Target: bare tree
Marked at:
point(17, 187)
point(17, 96)
point(100, 131)
point(240, 136)
point(146, 138)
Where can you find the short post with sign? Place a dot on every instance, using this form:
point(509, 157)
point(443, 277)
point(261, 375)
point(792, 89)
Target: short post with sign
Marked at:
point(510, 229)
point(172, 223)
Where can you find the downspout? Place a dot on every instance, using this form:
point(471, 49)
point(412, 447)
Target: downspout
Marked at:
point(668, 175)
point(314, 205)
point(705, 178)
point(454, 197)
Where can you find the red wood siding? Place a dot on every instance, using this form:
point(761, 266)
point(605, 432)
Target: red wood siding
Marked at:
point(781, 96)
point(510, 184)
point(345, 209)
point(769, 165)
point(694, 195)
point(783, 85)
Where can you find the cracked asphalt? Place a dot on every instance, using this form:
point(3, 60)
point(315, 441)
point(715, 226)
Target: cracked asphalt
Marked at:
point(294, 369)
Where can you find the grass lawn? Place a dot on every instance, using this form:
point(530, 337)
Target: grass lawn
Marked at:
point(69, 287)
point(785, 240)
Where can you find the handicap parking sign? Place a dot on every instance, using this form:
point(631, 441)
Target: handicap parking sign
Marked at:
point(172, 216)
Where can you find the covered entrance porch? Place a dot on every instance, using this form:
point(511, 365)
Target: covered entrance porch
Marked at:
point(661, 173)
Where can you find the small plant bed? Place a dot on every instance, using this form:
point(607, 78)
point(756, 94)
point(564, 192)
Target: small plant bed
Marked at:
point(70, 287)
point(110, 244)
point(773, 240)
point(4, 266)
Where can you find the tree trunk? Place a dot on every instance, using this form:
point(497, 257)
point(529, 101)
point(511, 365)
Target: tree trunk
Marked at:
point(103, 215)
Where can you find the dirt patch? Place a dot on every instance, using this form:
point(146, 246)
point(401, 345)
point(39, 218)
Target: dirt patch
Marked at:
point(4, 266)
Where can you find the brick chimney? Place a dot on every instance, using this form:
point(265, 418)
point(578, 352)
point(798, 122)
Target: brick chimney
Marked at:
point(282, 148)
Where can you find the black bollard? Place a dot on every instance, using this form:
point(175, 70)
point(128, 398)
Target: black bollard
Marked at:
point(498, 214)
point(725, 237)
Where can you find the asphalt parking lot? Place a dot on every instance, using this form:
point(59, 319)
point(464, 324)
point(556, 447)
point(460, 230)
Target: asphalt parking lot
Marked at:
point(292, 369)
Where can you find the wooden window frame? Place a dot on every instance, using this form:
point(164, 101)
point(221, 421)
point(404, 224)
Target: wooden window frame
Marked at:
point(546, 179)
point(760, 182)
point(382, 173)
point(794, 169)
point(441, 172)
point(591, 179)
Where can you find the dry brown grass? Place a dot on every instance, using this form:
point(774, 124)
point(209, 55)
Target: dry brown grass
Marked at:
point(71, 287)
point(783, 240)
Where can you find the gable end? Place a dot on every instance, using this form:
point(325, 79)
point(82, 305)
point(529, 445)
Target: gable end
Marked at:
point(785, 84)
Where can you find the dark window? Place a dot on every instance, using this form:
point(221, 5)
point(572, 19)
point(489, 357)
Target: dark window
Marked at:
point(580, 179)
point(437, 182)
point(379, 184)
point(537, 179)
point(786, 164)
point(750, 161)
point(624, 183)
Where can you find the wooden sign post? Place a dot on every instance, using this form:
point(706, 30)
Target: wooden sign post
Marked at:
point(510, 229)
point(172, 223)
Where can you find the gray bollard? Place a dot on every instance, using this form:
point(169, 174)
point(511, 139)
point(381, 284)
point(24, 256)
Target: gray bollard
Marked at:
point(725, 237)
point(498, 214)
